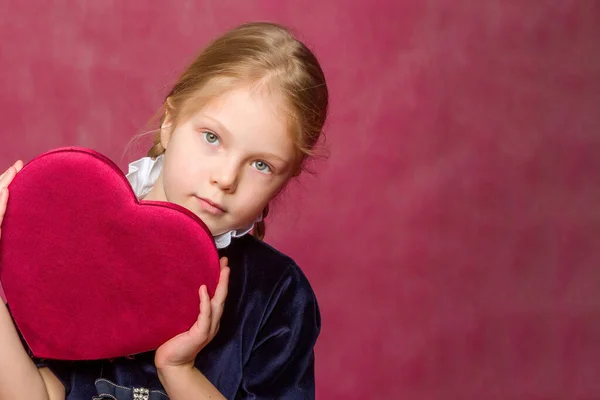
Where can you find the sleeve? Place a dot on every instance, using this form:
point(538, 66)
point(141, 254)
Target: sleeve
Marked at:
point(281, 363)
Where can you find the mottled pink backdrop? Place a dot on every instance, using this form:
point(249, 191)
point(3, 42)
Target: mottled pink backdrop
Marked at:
point(451, 237)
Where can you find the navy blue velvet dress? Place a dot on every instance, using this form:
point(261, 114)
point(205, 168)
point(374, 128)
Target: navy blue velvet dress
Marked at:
point(264, 348)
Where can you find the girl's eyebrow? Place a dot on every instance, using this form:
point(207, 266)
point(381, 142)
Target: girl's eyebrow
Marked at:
point(218, 123)
point(271, 155)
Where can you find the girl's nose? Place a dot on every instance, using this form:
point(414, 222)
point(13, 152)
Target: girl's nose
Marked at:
point(226, 177)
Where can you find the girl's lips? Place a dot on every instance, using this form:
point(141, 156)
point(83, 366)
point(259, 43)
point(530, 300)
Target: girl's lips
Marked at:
point(211, 207)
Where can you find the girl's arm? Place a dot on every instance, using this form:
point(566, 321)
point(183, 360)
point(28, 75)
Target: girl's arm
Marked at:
point(19, 377)
point(281, 365)
point(174, 360)
point(187, 382)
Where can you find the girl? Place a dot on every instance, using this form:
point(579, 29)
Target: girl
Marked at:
point(236, 127)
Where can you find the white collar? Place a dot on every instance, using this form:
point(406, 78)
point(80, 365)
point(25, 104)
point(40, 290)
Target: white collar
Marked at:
point(142, 176)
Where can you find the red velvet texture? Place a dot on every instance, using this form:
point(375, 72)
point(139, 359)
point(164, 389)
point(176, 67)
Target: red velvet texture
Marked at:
point(89, 271)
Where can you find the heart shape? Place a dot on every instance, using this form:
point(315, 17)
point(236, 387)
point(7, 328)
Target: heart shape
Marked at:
point(88, 271)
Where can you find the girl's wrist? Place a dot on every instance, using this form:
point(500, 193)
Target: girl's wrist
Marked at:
point(170, 375)
point(187, 382)
point(174, 369)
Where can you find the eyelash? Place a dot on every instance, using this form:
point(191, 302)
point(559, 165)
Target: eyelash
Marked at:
point(218, 141)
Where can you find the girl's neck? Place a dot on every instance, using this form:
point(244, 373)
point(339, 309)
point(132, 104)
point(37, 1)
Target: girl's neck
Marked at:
point(156, 193)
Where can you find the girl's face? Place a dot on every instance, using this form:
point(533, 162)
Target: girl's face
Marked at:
point(228, 160)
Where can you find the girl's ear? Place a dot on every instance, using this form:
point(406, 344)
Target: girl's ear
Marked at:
point(165, 128)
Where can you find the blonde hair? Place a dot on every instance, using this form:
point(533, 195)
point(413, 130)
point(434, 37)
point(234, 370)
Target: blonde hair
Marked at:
point(261, 53)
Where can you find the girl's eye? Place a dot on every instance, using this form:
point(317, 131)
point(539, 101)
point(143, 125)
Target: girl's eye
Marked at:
point(262, 166)
point(210, 137)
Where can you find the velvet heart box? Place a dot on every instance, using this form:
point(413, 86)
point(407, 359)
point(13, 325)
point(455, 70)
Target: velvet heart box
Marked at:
point(90, 272)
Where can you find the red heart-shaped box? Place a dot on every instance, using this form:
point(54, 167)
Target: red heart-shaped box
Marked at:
point(90, 272)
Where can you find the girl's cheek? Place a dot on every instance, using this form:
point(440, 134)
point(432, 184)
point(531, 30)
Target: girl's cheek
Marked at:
point(261, 188)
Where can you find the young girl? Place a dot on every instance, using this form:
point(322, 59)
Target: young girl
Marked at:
point(237, 126)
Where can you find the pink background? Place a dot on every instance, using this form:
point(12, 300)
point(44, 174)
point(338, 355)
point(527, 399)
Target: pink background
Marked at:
point(451, 237)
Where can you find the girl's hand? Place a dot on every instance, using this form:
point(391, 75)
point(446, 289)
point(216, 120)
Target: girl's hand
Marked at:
point(183, 348)
point(5, 180)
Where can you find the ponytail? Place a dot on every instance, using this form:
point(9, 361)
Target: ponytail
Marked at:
point(157, 149)
point(260, 228)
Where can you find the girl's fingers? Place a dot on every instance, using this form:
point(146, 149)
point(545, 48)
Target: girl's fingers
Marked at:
point(223, 286)
point(218, 301)
point(8, 175)
point(223, 262)
point(5, 180)
point(4, 173)
point(3, 202)
point(204, 319)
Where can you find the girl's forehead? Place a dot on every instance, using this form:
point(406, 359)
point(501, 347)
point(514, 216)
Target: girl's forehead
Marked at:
point(236, 100)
